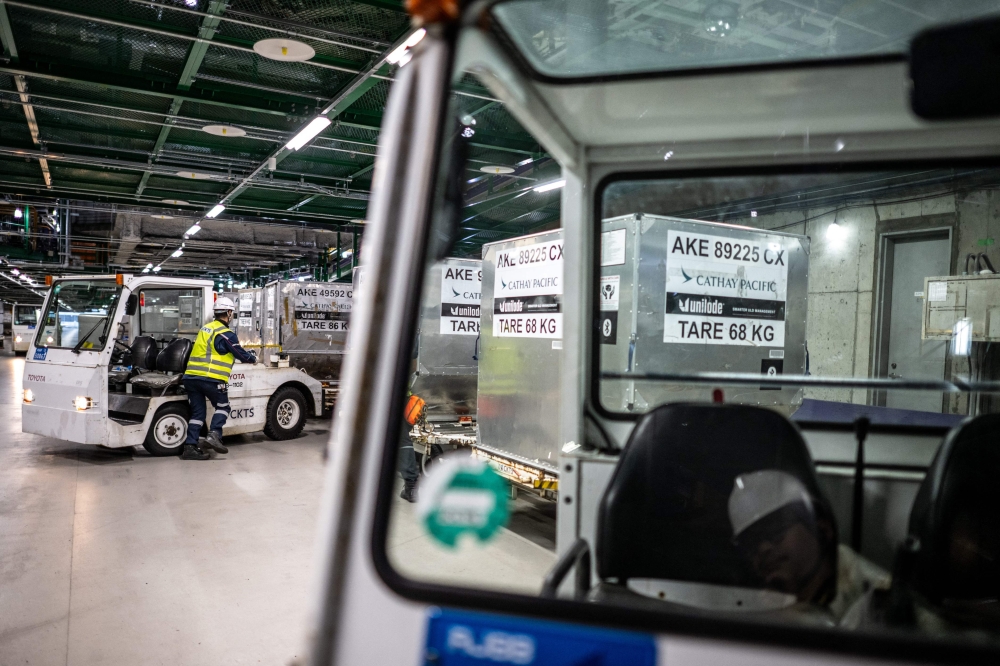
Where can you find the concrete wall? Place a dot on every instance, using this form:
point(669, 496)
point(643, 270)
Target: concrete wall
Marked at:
point(843, 270)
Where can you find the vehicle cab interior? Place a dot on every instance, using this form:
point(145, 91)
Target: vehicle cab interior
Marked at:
point(768, 401)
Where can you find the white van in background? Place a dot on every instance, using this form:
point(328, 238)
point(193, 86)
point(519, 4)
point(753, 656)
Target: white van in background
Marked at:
point(23, 322)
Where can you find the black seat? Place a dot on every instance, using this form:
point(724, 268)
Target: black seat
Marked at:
point(951, 560)
point(696, 488)
point(144, 352)
point(170, 365)
point(174, 357)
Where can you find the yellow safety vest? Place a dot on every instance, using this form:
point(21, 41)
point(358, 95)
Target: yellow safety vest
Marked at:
point(205, 361)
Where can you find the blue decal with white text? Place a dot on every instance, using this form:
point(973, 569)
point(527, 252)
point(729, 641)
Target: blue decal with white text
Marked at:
point(40, 353)
point(472, 639)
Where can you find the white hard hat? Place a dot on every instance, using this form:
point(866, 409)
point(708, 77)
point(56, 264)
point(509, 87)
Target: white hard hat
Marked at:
point(224, 303)
point(760, 493)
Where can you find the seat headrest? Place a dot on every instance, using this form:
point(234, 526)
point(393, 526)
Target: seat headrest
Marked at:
point(174, 357)
point(697, 489)
point(144, 352)
point(954, 516)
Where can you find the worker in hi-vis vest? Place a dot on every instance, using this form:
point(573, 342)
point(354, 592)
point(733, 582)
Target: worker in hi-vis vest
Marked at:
point(207, 377)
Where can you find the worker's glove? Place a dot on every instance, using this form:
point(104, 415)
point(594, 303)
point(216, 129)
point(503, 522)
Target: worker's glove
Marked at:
point(254, 354)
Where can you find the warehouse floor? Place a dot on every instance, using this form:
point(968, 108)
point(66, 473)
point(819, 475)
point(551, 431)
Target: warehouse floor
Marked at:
point(113, 556)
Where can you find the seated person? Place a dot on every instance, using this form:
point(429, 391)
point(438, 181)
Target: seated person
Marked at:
point(787, 538)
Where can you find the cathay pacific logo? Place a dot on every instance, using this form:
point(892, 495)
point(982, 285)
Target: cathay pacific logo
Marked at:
point(503, 284)
point(455, 292)
point(687, 278)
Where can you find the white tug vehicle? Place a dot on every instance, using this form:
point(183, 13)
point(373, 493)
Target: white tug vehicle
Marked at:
point(105, 363)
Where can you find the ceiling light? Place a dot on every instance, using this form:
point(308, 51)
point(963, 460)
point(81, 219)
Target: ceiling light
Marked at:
point(399, 55)
point(468, 132)
point(224, 130)
point(308, 133)
point(191, 3)
point(193, 230)
point(156, 269)
point(24, 277)
point(194, 175)
point(148, 268)
point(548, 187)
point(18, 214)
point(178, 252)
point(285, 50)
point(176, 202)
point(15, 271)
point(497, 170)
point(214, 213)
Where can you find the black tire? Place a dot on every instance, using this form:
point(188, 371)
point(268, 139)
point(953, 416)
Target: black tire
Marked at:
point(168, 430)
point(286, 414)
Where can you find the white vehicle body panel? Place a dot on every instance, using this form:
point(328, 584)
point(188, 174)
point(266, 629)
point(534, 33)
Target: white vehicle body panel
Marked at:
point(355, 605)
point(63, 375)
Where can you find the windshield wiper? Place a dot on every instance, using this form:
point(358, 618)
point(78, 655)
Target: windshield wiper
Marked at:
point(76, 349)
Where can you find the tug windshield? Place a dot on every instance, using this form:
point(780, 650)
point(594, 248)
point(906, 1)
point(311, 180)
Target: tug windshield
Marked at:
point(77, 314)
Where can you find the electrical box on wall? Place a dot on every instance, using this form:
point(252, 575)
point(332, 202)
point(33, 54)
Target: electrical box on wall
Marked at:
point(952, 298)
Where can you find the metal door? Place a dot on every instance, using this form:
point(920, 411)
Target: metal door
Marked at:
point(913, 259)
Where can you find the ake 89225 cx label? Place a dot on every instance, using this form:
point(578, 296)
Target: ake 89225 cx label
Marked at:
point(725, 291)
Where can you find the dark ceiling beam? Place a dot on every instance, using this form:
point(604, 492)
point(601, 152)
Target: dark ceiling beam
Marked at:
point(195, 56)
point(78, 76)
point(390, 5)
point(10, 48)
point(126, 196)
point(344, 98)
point(316, 61)
point(215, 177)
point(312, 31)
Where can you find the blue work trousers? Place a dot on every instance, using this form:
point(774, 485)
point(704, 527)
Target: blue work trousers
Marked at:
point(199, 390)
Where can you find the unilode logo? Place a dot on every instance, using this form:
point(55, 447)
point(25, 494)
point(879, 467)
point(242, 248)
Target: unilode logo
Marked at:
point(703, 306)
point(496, 646)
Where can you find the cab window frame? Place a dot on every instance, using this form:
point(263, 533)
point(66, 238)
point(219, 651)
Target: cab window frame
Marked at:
point(814, 642)
point(113, 308)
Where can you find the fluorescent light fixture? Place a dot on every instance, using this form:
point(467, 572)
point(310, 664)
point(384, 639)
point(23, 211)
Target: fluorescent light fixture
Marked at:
point(18, 214)
point(961, 341)
point(156, 269)
point(308, 133)
point(15, 271)
point(178, 252)
point(548, 187)
point(145, 270)
point(215, 211)
point(24, 277)
point(399, 56)
point(194, 229)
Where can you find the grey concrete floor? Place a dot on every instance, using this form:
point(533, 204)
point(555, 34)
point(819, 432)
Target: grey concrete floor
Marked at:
point(116, 557)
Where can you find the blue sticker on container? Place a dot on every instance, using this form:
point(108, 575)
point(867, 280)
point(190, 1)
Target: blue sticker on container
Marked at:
point(41, 353)
point(472, 639)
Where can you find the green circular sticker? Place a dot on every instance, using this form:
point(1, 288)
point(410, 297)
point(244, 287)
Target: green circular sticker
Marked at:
point(462, 495)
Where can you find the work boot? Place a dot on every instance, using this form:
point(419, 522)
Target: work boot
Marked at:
point(214, 441)
point(194, 452)
point(409, 491)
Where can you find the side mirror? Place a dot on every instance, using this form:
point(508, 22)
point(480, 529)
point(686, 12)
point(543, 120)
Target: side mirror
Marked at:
point(131, 303)
point(954, 70)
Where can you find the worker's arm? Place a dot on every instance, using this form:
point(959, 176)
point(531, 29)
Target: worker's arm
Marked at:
point(228, 342)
